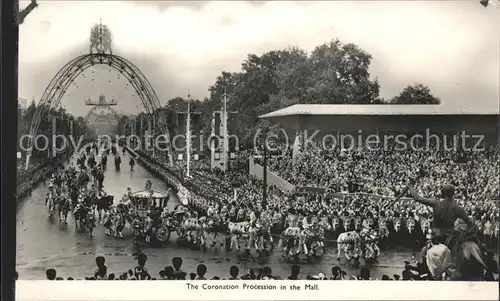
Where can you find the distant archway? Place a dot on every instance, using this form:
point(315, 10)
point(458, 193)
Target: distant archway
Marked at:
point(111, 112)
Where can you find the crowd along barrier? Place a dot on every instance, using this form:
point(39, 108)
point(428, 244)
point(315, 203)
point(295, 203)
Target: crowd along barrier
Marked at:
point(27, 180)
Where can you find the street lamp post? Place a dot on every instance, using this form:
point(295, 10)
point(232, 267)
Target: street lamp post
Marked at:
point(188, 137)
point(141, 131)
point(224, 115)
point(225, 141)
point(188, 134)
point(150, 135)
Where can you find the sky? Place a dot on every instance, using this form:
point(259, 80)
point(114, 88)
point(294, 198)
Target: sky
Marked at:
point(181, 47)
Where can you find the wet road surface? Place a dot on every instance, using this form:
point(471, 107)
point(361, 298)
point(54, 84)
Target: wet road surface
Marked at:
point(43, 244)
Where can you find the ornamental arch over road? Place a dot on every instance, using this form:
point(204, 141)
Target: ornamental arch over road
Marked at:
point(100, 54)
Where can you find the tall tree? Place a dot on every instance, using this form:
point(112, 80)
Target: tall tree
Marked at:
point(416, 94)
point(341, 75)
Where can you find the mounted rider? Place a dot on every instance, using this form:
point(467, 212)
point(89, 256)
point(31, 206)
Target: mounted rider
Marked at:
point(49, 199)
point(309, 229)
point(446, 212)
point(293, 230)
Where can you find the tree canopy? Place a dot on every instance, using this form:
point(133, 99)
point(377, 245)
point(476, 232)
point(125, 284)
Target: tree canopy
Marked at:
point(25, 117)
point(333, 73)
point(416, 94)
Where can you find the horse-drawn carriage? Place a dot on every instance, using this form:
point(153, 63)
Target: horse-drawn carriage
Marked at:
point(146, 218)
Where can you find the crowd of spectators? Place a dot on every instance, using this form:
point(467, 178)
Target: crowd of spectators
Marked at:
point(365, 178)
point(385, 172)
point(175, 271)
point(36, 172)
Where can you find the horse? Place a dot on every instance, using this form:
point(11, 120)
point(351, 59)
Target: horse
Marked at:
point(108, 222)
point(291, 240)
point(187, 228)
point(239, 230)
point(90, 224)
point(118, 223)
point(211, 229)
point(371, 251)
point(350, 243)
point(63, 209)
point(263, 234)
point(468, 256)
point(80, 216)
point(138, 225)
point(104, 161)
point(83, 179)
point(313, 239)
point(51, 204)
point(74, 197)
point(472, 269)
point(103, 203)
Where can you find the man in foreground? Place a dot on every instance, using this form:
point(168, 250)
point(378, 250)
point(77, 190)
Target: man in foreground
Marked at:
point(446, 212)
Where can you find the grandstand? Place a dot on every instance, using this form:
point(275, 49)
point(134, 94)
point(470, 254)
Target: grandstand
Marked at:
point(387, 119)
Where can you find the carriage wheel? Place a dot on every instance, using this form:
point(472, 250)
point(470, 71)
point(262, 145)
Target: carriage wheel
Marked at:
point(318, 251)
point(161, 235)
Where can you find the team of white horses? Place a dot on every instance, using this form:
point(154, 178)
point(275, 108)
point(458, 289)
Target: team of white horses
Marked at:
point(294, 241)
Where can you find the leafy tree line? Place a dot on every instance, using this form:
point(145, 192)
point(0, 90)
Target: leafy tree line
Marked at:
point(333, 73)
point(25, 117)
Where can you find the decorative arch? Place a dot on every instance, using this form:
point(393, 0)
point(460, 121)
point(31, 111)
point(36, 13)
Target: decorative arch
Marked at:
point(51, 97)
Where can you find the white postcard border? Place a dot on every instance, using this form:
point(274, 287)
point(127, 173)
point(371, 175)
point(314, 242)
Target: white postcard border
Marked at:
point(40, 290)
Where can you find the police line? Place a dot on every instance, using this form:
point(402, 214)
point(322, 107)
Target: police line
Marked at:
point(254, 290)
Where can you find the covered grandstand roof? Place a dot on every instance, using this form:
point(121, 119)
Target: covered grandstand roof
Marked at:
point(382, 109)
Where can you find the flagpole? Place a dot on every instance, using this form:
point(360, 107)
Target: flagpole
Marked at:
point(188, 136)
point(225, 146)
